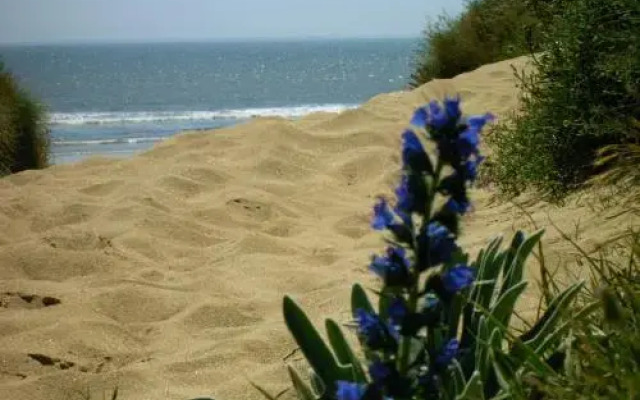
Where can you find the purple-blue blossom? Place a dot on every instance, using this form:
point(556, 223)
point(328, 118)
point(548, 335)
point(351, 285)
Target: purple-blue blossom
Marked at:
point(448, 352)
point(452, 107)
point(376, 333)
point(349, 390)
point(458, 278)
point(379, 372)
point(405, 199)
point(460, 206)
point(413, 154)
point(420, 117)
point(382, 215)
point(436, 245)
point(393, 268)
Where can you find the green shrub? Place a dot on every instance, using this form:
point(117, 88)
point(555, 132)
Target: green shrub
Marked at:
point(488, 31)
point(583, 94)
point(24, 136)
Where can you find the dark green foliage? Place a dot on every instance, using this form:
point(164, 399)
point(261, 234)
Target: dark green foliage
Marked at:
point(24, 136)
point(584, 94)
point(488, 31)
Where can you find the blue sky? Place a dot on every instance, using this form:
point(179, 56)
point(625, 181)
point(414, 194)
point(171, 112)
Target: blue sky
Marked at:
point(46, 21)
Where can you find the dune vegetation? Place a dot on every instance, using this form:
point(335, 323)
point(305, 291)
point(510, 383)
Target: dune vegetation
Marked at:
point(24, 135)
point(582, 94)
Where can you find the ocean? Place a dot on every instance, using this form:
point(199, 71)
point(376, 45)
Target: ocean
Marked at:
point(119, 99)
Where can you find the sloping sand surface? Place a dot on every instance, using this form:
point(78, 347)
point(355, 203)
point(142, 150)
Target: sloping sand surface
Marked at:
point(164, 274)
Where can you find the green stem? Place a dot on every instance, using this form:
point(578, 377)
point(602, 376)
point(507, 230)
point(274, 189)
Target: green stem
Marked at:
point(405, 347)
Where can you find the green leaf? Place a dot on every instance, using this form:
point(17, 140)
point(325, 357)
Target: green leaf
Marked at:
point(459, 381)
point(312, 346)
point(359, 300)
point(482, 348)
point(513, 271)
point(545, 325)
point(473, 390)
point(316, 383)
point(503, 308)
point(343, 351)
point(302, 389)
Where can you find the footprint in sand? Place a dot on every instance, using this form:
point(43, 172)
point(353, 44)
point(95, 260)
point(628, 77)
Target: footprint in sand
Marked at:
point(23, 300)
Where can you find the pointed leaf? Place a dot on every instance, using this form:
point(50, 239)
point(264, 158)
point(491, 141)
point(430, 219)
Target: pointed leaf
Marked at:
point(473, 390)
point(313, 346)
point(513, 271)
point(503, 309)
point(302, 389)
point(359, 300)
point(545, 325)
point(343, 351)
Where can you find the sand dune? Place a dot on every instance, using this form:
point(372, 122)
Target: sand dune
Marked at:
point(163, 274)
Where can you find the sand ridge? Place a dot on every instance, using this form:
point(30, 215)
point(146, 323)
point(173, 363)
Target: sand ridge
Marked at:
point(164, 273)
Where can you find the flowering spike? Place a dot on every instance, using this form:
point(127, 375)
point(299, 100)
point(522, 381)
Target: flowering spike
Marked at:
point(377, 334)
point(458, 206)
point(458, 278)
point(438, 117)
point(382, 215)
point(379, 372)
point(392, 268)
point(349, 390)
point(397, 311)
point(448, 353)
point(436, 245)
point(414, 157)
point(405, 199)
point(420, 117)
point(452, 107)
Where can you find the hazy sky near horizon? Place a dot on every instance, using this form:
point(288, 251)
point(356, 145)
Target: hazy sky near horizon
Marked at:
point(50, 21)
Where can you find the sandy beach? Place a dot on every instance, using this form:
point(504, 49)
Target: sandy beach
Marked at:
point(163, 274)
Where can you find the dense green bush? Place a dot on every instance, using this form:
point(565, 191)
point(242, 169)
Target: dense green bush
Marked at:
point(488, 31)
point(24, 136)
point(584, 94)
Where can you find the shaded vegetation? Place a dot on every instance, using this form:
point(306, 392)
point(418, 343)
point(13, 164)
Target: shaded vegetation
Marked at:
point(603, 355)
point(24, 136)
point(488, 31)
point(583, 95)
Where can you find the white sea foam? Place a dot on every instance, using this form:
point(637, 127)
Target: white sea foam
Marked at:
point(105, 118)
point(123, 140)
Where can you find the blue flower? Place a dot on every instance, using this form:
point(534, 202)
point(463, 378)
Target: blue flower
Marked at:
point(393, 268)
point(379, 372)
point(438, 117)
point(376, 333)
point(349, 390)
point(479, 121)
point(448, 353)
point(469, 139)
point(420, 117)
point(458, 278)
point(397, 311)
point(413, 154)
point(405, 200)
point(452, 107)
point(468, 142)
point(471, 169)
point(459, 206)
point(435, 245)
point(382, 215)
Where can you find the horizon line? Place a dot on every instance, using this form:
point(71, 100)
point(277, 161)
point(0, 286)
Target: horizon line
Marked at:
point(204, 40)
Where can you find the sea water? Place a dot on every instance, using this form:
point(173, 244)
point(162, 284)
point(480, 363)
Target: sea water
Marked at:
point(119, 99)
